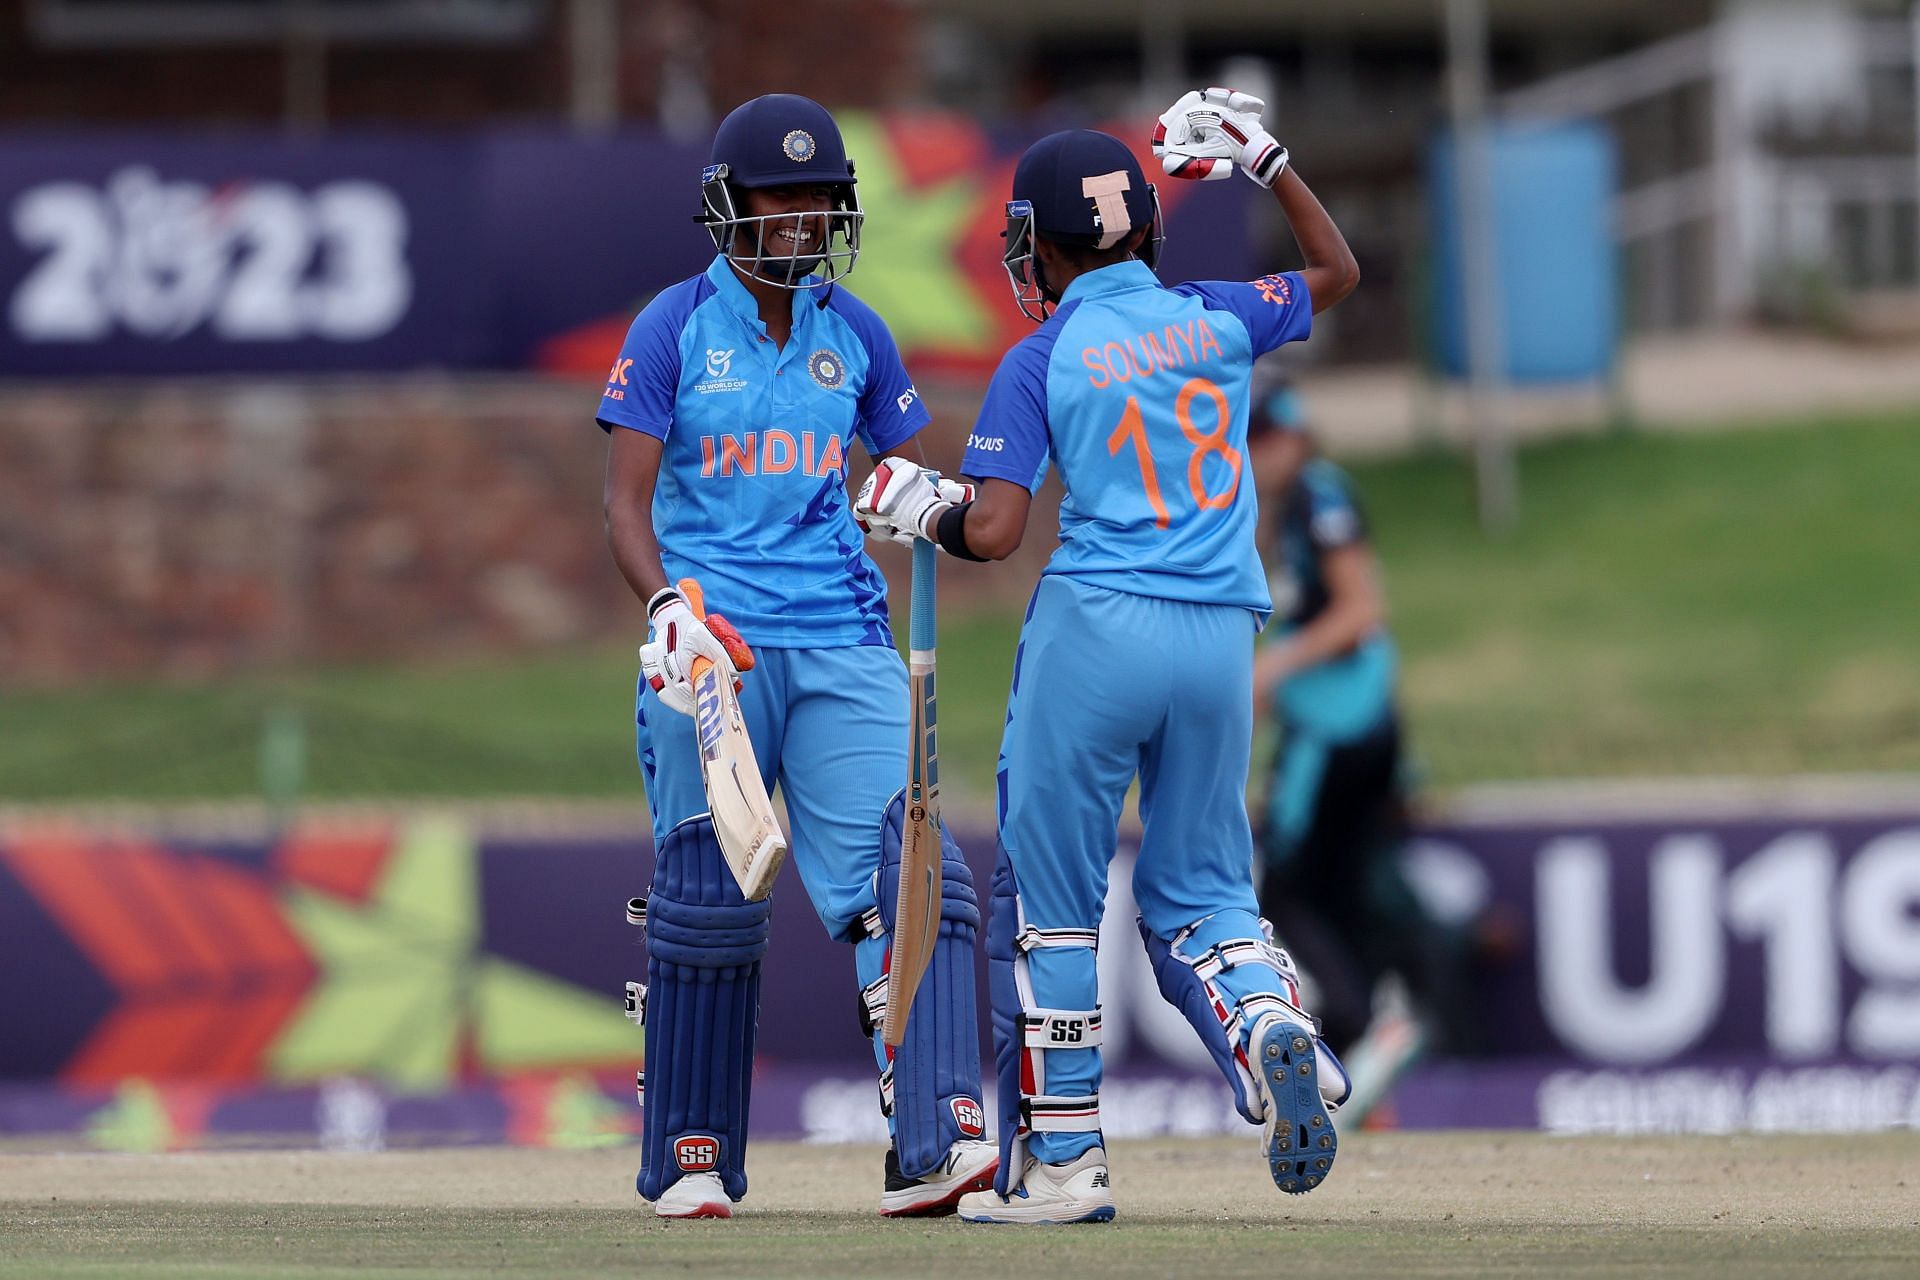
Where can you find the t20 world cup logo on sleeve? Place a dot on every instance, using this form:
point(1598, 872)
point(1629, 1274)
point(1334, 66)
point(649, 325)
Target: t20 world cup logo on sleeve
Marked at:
point(718, 361)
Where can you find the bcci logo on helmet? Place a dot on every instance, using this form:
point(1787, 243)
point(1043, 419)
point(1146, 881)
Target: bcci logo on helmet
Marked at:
point(969, 1116)
point(827, 369)
point(696, 1153)
point(799, 146)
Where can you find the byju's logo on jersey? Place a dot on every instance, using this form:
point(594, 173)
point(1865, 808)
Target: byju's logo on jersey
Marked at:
point(827, 369)
point(719, 364)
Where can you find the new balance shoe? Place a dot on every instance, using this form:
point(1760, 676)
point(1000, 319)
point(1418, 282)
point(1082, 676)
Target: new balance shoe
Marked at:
point(1054, 1194)
point(1301, 1083)
point(696, 1195)
point(968, 1166)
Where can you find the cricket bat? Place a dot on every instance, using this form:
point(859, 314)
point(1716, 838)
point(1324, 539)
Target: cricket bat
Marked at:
point(743, 820)
point(916, 920)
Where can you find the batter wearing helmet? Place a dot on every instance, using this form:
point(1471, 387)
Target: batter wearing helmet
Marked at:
point(1138, 394)
point(731, 410)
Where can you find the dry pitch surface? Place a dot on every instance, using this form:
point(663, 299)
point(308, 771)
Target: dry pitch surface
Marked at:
point(1402, 1205)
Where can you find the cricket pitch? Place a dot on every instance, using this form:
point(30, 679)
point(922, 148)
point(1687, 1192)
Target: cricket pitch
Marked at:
point(1399, 1204)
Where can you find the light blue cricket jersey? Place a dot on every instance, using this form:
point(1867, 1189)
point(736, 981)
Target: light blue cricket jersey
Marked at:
point(1138, 393)
point(752, 493)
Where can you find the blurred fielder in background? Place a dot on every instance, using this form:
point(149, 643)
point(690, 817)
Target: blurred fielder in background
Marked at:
point(1333, 816)
point(1136, 655)
point(731, 409)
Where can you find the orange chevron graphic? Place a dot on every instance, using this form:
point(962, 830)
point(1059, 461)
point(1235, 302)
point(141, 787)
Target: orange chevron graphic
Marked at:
point(207, 970)
point(344, 860)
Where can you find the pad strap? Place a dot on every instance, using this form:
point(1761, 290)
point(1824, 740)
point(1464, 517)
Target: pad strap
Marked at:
point(1060, 1028)
point(1031, 938)
point(1048, 1114)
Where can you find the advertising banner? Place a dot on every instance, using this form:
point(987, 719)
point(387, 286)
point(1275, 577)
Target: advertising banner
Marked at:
point(169, 253)
point(416, 977)
point(165, 253)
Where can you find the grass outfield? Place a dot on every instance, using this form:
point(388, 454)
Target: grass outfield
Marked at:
point(1406, 1205)
point(1725, 603)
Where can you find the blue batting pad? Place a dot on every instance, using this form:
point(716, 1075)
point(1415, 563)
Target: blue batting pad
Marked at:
point(1003, 926)
point(704, 947)
point(1182, 988)
point(936, 1070)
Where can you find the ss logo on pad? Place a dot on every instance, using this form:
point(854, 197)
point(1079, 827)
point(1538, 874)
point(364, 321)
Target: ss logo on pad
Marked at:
point(968, 1115)
point(696, 1154)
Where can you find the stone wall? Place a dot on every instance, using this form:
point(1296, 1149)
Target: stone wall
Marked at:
point(192, 529)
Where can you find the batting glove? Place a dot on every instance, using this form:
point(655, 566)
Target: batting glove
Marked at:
point(895, 502)
point(1205, 135)
point(679, 636)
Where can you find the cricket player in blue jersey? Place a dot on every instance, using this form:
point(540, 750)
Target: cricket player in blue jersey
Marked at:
point(731, 410)
point(1136, 655)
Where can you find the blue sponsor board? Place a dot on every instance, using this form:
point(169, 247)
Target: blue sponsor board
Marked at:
point(151, 253)
point(1680, 975)
point(248, 252)
point(167, 254)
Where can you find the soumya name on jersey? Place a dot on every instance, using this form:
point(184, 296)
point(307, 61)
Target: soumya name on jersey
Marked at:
point(1142, 356)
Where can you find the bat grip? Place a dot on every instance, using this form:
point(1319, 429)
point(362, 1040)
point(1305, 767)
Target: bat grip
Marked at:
point(921, 634)
point(696, 599)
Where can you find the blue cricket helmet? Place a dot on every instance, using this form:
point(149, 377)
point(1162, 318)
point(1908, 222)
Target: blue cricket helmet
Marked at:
point(1076, 187)
point(1054, 176)
point(779, 140)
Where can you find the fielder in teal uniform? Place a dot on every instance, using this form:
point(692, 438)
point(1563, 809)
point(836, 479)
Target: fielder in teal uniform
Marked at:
point(1136, 656)
point(1333, 806)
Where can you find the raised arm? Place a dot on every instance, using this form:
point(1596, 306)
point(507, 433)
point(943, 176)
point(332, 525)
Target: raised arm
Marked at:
point(1331, 272)
point(1206, 135)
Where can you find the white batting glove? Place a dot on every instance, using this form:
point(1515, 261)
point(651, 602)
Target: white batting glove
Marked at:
point(679, 636)
point(1205, 135)
point(674, 695)
point(896, 501)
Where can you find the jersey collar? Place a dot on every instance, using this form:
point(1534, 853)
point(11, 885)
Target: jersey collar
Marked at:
point(1131, 274)
point(726, 282)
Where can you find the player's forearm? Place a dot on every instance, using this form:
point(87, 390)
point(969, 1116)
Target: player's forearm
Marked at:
point(635, 549)
point(626, 500)
point(1331, 269)
point(1335, 633)
point(988, 528)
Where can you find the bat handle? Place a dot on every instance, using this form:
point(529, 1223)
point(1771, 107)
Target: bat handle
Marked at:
point(921, 634)
point(696, 599)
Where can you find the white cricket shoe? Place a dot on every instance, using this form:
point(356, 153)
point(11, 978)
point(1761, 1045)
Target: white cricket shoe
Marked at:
point(969, 1165)
point(1077, 1191)
point(696, 1195)
point(1301, 1083)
